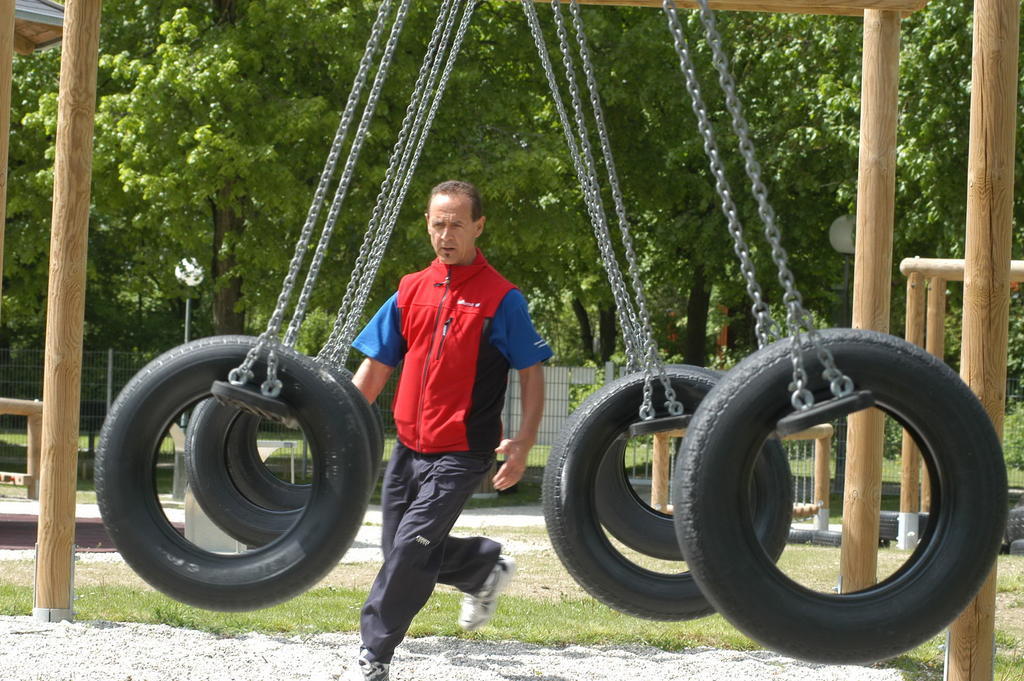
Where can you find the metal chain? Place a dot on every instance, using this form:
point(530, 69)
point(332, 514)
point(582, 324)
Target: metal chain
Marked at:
point(410, 155)
point(797, 318)
point(425, 124)
point(590, 196)
point(346, 177)
point(652, 359)
point(766, 327)
point(331, 350)
point(243, 373)
point(624, 304)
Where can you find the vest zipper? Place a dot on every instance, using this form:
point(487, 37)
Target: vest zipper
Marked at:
point(444, 334)
point(426, 364)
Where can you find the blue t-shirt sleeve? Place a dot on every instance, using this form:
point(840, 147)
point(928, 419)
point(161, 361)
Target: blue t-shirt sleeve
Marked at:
point(381, 339)
point(513, 334)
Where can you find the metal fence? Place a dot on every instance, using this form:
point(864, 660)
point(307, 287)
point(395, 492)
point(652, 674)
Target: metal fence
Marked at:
point(105, 372)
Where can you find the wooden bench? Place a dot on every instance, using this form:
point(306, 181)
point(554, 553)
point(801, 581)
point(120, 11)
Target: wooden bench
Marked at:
point(33, 409)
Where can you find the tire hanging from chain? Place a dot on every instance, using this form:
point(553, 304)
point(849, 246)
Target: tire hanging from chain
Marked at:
point(749, 407)
point(343, 432)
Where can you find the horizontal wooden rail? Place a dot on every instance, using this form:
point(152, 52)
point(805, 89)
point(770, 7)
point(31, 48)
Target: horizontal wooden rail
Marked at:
point(838, 7)
point(20, 407)
point(34, 411)
point(661, 459)
point(951, 269)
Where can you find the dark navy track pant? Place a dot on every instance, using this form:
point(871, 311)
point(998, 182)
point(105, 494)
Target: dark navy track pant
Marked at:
point(422, 497)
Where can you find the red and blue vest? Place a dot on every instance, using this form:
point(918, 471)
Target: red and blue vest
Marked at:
point(452, 388)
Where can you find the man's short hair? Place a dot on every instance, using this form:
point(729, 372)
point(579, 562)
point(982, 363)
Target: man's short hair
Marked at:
point(460, 188)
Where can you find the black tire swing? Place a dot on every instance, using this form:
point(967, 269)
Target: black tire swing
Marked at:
point(632, 520)
point(226, 473)
point(955, 551)
point(586, 494)
point(327, 411)
point(312, 394)
point(233, 485)
point(790, 383)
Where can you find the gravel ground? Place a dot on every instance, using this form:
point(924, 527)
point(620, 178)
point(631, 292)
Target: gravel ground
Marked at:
point(32, 650)
point(104, 651)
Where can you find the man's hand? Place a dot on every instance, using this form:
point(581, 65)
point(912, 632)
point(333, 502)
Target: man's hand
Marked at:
point(515, 452)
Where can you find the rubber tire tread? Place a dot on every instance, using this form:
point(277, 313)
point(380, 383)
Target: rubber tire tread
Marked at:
point(576, 532)
point(1015, 524)
point(620, 510)
point(149, 544)
point(232, 484)
point(254, 480)
point(967, 517)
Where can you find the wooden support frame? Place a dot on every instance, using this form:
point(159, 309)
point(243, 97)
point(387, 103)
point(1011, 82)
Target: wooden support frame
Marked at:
point(925, 327)
point(62, 372)
point(661, 461)
point(836, 7)
point(990, 194)
point(876, 196)
point(33, 410)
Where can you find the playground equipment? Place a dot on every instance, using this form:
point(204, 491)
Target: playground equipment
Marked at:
point(33, 410)
point(925, 326)
point(989, 217)
point(586, 493)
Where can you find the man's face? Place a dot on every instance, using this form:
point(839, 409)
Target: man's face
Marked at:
point(452, 229)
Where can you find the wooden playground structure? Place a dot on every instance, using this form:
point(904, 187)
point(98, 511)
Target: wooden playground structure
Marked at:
point(986, 275)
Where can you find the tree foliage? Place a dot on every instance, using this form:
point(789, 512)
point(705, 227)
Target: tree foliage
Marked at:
point(214, 118)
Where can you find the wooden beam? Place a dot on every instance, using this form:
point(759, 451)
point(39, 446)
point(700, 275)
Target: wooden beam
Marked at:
point(990, 170)
point(62, 373)
point(837, 7)
point(951, 269)
point(876, 196)
point(6, 68)
point(914, 328)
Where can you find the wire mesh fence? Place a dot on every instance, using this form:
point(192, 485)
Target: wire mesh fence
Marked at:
point(105, 373)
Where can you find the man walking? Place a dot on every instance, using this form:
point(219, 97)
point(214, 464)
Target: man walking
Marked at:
point(457, 326)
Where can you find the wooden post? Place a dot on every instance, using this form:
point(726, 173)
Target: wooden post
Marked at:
point(6, 69)
point(66, 309)
point(35, 434)
point(910, 497)
point(822, 479)
point(876, 194)
point(935, 343)
point(987, 276)
point(661, 458)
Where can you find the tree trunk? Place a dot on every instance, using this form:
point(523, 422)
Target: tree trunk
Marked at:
point(586, 330)
point(228, 226)
point(607, 330)
point(225, 10)
point(695, 346)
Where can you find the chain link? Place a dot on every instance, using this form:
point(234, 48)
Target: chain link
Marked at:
point(798, 320)
point(633, 317)
point(332, 349)
point(346, 177)
point(243, 373)
point(420, 115)
point(652, 359)
point(582, 160)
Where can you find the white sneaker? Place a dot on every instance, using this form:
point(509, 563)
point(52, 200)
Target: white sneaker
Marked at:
point(478, 608)
point(365, 670)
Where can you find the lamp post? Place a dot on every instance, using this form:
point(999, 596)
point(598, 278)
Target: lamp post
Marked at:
point(189, 273)
point(840, 235)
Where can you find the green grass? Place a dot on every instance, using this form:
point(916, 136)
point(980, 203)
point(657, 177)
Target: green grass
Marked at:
point(570, 621)
point(575, 621)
